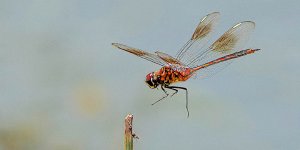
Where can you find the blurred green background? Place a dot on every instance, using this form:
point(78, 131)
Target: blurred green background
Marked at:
point(64, 87)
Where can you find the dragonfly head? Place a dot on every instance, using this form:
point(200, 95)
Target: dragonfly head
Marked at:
point(151, 80)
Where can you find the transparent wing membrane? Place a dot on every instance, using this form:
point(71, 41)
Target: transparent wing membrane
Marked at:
point(231, 41)
point(199, 38)
point(213, 70)
point(234, 38)
point(167, 58)
point(148, 56)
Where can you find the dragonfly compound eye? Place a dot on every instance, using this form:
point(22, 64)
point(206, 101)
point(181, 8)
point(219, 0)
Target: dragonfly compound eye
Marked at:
point(150, 81)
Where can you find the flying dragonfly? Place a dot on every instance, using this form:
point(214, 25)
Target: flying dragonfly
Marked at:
point(195, 56)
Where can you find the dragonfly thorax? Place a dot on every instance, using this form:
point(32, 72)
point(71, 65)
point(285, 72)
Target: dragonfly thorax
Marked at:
point(177, 67)
point(168, 75)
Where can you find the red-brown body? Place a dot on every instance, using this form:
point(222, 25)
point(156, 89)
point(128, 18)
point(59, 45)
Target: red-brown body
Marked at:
point(172, 73)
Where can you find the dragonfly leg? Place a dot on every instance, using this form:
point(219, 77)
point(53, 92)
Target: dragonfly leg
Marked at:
point(176, 91)
point(186, 96)
point(162, 87)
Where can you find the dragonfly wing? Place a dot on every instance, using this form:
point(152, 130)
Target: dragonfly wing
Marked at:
point(234, 38)
point(231, 41)
point(148, 56)
point(213, 70)
point(167, 58)
point(199, 38)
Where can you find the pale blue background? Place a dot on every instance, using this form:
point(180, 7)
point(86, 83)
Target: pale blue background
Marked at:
point(63, 86)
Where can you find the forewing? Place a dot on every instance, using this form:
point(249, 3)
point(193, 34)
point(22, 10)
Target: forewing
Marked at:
point(148, 56)
point(199, 38)
point(205, 26)
point(167, 58)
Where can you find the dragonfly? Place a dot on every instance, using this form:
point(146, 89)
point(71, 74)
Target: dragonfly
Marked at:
point(195, 55)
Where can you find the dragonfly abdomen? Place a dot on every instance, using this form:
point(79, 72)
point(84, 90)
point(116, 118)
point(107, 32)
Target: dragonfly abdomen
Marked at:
point(227, 57)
